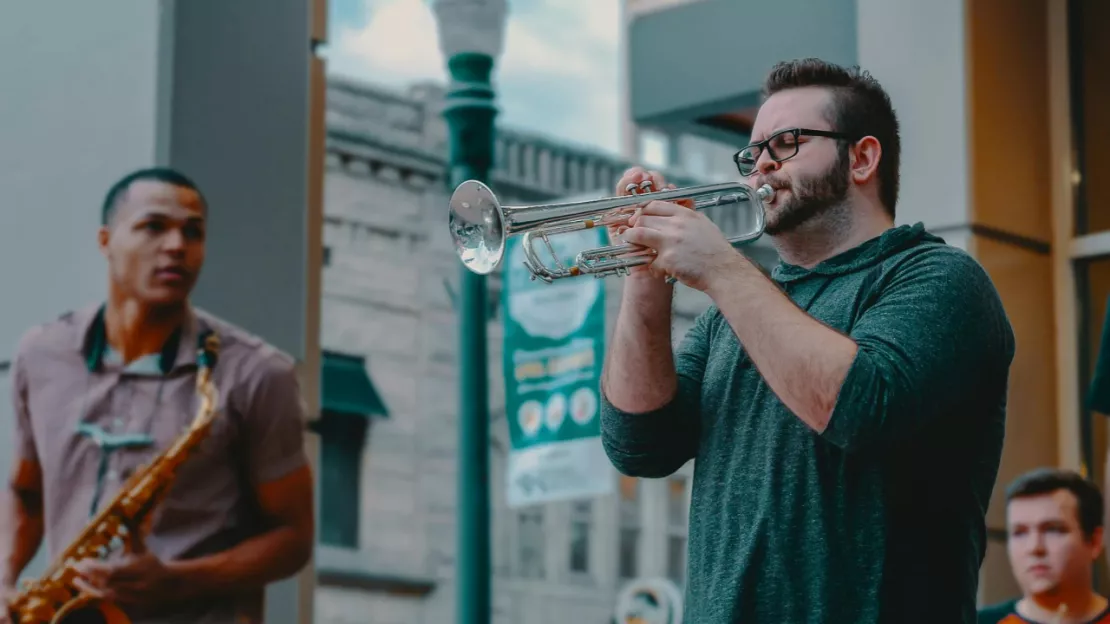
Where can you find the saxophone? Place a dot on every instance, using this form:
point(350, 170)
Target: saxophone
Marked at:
point(52, 597)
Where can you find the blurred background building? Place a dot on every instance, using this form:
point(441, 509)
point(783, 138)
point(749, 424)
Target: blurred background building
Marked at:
point(390, 273)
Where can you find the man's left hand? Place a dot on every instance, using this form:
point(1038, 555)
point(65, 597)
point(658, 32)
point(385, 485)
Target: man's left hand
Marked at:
point(140, 580)
point(688, 245)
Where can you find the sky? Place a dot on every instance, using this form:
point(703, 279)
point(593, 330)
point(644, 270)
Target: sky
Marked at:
point(557, 74)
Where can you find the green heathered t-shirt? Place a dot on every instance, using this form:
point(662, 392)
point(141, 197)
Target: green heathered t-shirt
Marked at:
point(881, 517)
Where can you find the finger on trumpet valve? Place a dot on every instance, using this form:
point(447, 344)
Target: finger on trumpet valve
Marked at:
point(645, 186)
point(620, 218)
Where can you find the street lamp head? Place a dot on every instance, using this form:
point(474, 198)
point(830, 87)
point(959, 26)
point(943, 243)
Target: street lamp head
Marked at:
point(470, 26)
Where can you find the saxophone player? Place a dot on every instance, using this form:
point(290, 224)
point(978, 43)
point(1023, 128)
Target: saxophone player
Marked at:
point(101, 390)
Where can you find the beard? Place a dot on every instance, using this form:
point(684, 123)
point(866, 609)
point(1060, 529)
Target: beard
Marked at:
point(810, 198)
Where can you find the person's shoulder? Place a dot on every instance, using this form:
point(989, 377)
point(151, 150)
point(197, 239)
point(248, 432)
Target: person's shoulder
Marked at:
point(63, 333)
point(953, 274)
point(251, 356)
point(935, 256)
point(999, 613)
point(961, 282)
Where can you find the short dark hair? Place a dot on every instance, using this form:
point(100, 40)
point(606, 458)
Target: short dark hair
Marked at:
point(1048, 480)
point(860, 107)
point(156, 174)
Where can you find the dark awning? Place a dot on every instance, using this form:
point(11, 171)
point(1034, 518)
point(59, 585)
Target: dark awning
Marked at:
point(710, 85)
point(345, 387)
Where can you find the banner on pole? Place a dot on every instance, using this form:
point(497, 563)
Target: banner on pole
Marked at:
point(554, 347)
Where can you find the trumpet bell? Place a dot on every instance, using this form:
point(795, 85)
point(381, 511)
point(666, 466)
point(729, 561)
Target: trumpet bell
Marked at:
point(477, 226)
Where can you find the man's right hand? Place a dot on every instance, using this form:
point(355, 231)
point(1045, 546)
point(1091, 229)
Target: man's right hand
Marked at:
point(637, 181)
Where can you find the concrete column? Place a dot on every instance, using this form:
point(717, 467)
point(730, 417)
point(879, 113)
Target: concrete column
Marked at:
point(894, 37)
point(228, 92)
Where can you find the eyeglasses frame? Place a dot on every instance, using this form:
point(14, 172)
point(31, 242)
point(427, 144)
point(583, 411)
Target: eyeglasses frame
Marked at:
point(765, 145)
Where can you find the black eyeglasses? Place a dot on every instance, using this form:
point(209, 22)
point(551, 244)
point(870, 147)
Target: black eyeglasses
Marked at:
point(782, 145)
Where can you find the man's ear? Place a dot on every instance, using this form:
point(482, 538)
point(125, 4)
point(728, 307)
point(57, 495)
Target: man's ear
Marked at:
point(1096, 543)
point(102, 236)
point(863, 159)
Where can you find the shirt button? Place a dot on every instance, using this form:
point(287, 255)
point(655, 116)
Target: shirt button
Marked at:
point(112, 474)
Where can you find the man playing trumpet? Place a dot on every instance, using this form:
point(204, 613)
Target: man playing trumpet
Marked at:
point(845, 415)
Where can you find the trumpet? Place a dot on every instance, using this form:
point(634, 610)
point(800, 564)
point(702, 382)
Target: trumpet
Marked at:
point(480, 226)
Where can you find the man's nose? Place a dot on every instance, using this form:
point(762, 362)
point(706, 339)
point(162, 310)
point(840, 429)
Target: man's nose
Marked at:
point(174, 240)
point(765, 164)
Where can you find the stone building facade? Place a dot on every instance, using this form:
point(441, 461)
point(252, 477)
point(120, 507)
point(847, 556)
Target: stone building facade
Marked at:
point(389, 280)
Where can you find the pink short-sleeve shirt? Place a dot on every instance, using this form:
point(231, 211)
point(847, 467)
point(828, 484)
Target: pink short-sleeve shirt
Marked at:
point(69, 391)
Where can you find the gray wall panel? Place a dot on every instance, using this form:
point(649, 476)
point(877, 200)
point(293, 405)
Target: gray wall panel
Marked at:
point(78, 110)
point(240, 128)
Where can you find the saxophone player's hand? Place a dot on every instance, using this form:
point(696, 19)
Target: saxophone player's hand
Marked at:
point(138, 580)
point(7, 595)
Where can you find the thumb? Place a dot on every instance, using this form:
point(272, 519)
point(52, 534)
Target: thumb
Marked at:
point(136, 537)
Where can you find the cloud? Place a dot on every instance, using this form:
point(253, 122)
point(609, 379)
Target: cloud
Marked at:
point(557, 75)
point(397, 44)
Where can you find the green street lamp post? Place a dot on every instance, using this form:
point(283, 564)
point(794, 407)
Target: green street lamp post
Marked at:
point(470, 37)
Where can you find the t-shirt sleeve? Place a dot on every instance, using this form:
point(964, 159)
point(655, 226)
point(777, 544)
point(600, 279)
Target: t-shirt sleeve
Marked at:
point(935, 338)
point(273, 414)
point(1098, 394)
point(23, 435)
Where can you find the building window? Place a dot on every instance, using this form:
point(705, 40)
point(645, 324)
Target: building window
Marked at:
point(696, 163)
point(581, 521)
point(676, 559)
point(348, 400)
point(628, 553)
point(531, 543)
point(342, 437)
point(1093, 281)
point(1089, 99)
point(677, 517)
point(654, 149)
